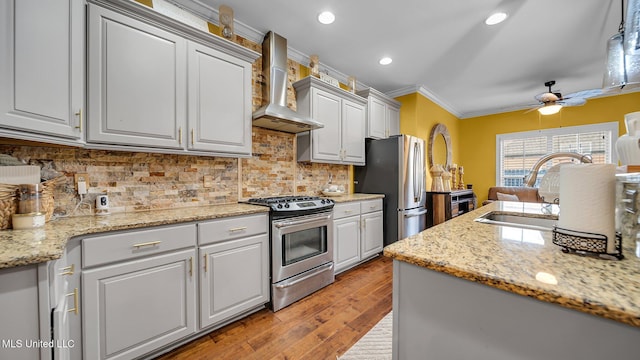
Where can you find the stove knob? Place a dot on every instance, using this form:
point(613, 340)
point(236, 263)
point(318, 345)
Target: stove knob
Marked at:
point(279, 206)
point(322, 201)
point(286, 205)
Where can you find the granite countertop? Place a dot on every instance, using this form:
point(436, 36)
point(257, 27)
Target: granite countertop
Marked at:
point(23, 247)
point(526, 262)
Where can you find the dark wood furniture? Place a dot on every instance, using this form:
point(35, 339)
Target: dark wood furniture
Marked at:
point(443, 206)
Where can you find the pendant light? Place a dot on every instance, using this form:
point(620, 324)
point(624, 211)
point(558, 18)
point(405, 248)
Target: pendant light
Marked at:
point(615, 76)
point(623, 53)
point(632, 44)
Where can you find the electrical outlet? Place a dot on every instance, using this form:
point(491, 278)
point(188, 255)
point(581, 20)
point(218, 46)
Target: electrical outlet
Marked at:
point(81, 177)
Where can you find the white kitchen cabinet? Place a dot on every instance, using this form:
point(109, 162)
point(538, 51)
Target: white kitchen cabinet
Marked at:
point(346, 232)
point(137, 306)
point(19, 312)
point(372, 237)
point(42, 77)
point(234, 267)
point(219, 101)
point(157, 87)
point(383, 114)
point(137, 82)
point(357, 228)
point(343, 114)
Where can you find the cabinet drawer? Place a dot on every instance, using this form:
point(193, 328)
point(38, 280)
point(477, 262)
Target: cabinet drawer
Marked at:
point(129, 245)
point(346, 209)
point(232, 228)
point(370, 206)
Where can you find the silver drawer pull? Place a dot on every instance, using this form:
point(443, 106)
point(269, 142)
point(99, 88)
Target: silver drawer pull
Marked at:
point(150, 243)
point(238, 229)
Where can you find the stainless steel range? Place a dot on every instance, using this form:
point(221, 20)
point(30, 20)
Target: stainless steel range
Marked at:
point(301, 246)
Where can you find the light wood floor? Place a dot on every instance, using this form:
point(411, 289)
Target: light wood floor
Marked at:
point(321, 326)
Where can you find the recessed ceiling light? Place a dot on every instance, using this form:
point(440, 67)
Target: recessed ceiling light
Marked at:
point(495, 18)
point(385, 61)
point(326, 17)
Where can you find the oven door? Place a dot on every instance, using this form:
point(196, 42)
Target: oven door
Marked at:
point(300, 243)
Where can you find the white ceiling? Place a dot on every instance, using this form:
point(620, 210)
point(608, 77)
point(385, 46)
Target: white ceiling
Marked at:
point(442, 48)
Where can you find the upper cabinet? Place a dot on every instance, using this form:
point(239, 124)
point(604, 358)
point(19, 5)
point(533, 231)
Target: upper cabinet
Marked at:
point(153, 87)
point(383, 114)
point(343, 114)
point(42, 76)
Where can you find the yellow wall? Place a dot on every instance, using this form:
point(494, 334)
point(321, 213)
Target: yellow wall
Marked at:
point(477, 136)
point(418, 115)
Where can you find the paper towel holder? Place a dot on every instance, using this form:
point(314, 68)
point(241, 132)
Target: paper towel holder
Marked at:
point(585, 243)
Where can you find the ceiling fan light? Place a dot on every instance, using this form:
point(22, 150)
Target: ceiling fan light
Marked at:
point(549, 109)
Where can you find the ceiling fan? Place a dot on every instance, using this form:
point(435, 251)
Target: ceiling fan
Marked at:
point(551, 102)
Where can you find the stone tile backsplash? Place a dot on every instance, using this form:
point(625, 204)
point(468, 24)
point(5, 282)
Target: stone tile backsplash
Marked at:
point(147, 181)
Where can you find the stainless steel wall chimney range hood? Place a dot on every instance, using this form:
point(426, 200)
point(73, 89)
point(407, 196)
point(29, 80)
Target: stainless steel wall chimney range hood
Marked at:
point(274, 114)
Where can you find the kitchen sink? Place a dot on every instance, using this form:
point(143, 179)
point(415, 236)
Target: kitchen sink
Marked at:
point(527, 221)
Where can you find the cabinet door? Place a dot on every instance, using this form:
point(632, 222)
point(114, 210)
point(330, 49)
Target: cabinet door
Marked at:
point(372, 239)
point(353, 132)
point(19, 312)
point(137, 82)
point(219, 101)
point(234, 278)
point(42, 76)
point(138, 306)
point(376, 119)
point(325, 142)
point(346, 249)
point(393, 119)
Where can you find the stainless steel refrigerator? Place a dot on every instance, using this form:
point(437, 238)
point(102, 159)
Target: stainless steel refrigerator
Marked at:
point(395, 167)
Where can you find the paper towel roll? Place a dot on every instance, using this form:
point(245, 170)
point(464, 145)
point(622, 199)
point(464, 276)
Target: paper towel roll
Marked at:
point(587, 200)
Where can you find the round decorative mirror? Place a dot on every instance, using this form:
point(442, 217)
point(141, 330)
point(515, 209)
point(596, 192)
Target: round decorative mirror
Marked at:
point(434, 139)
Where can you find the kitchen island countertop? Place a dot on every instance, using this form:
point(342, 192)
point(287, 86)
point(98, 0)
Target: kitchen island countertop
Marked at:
point(526, 262)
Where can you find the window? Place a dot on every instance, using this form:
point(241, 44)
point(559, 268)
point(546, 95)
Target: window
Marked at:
point(518, 152)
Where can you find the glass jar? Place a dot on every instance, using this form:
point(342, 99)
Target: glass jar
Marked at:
point(30, 198)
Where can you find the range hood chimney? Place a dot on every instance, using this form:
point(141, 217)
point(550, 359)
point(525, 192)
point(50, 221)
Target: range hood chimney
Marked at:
point(274, 113)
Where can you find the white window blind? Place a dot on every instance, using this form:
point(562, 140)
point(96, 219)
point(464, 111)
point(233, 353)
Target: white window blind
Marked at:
point(516, 153)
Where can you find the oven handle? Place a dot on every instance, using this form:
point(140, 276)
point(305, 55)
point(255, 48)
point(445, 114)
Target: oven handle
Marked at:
point(316, 271)
point(281, 224)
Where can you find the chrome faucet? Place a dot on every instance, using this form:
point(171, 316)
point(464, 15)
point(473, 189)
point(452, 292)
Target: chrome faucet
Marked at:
point(530, 179)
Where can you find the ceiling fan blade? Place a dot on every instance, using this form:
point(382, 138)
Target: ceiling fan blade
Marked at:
point(573, 101)
point(584, 94)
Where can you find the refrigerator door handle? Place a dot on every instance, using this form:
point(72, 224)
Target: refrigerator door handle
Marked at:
point(416, 184)
point(419, 213)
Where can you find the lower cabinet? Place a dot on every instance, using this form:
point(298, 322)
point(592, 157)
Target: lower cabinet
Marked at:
point(145, 290)
point(357, 229)
point(234, 269)
point(135, 307)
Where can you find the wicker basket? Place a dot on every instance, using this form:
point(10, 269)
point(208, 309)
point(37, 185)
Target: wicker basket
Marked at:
point(9, 201)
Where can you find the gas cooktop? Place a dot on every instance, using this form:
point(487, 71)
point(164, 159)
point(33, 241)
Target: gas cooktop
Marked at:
point(293, 203)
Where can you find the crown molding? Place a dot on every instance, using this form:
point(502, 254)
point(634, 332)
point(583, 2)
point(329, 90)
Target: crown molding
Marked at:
point(422, 90)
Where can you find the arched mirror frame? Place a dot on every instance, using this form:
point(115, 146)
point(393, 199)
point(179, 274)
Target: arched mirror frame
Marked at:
point(440, 129)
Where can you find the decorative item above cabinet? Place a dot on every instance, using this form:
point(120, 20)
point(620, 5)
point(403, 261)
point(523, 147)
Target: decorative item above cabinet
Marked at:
point(157, 85)
point(383, 114)
point(343, 114)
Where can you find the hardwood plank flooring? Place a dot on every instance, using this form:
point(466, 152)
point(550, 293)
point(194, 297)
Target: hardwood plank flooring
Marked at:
point(323, 325)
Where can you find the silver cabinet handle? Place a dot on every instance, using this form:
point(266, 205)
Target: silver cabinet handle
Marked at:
point(150, 243)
